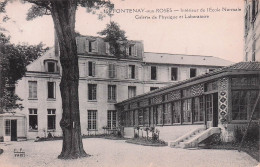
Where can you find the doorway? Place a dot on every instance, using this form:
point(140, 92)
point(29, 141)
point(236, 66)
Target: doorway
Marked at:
point(10, 130)
point(212, 110)
point(215, 110)
point(13, 130)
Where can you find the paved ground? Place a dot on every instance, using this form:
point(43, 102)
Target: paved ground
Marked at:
point(114, 153)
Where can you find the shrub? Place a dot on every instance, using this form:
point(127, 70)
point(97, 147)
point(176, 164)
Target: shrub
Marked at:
point(136, 135)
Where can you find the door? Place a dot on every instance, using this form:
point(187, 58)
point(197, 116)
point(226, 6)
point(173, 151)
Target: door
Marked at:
point(13, 130)
point(215, 110)
point(212, 110)
point(209, 110)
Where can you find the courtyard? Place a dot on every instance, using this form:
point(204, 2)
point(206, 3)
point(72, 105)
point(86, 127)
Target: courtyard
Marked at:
point(113, 153)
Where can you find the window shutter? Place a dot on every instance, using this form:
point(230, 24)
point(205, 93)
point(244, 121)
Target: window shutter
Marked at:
point(115, 70)
point(149, 73)
point(109, 92)
point(86, 47)
point(127, 50)
point(135, 51)
point(136, 72)
point(86, 68)
point(107, 48)
point(126, 71)
point(94, 68)
point(35, 90)
point(94, 46)
point(82, 70)
point(130, 72)
point(110, 70)
point(30, 89)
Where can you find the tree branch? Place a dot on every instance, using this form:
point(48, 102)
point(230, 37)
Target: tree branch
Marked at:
point(41, 3)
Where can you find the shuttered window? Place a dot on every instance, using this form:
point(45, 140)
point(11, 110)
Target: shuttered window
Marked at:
point(111, 92)
point(112, 70)
point(33, 89)
point(91, 68)
point(92, 92)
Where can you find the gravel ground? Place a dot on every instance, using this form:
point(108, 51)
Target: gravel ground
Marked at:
point(117, 153)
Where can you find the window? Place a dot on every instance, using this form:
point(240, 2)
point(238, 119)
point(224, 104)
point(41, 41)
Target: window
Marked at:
point(176, 109)
point(167, 113)
point(131, 71)
point(159, 115)
point(239, 100)
point(33, 89)
point(140, 117)
point(92, 119)
point(51, 90)
point(91, 68)
point(111, 119)
point(131, 91)
point(209, 107)
point(146, 116)
point(111, 92)
point(174, 74)
point(92, 46)
point(186, 107)
point(33, 119)
point(131, 50)
point(51, 119)
point(92, 91)
point(7, 127)
point(153, 72)
point(193, 72)
point(253, 50)
point(50, 65)
point(242, 104)
point(199, 109)
point(112, 70)
point(153, 88)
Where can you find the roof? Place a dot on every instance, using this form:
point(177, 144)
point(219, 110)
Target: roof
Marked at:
point(241, 66)
point(150, 57)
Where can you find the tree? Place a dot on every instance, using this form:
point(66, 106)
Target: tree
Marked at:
point(116, 38)
point(13, 62)
point(63, 15)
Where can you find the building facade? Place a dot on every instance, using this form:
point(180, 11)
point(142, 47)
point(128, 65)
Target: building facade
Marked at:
point(223, 98)
point(104, 81)
point(252, 31)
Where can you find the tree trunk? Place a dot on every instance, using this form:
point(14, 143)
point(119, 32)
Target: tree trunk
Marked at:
point(63, 14)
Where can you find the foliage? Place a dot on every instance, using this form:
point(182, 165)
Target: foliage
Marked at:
point(64, 16)
point(116, 39)
point(136, 135)
point(14, 59)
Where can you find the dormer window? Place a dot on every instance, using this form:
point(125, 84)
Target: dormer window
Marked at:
point(131, 50)
point(91, 46)
point(51, 66)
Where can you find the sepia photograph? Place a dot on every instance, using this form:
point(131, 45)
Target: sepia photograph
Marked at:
point(129, 83)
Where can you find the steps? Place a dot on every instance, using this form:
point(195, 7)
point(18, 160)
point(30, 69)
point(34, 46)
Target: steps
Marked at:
point(193, 138)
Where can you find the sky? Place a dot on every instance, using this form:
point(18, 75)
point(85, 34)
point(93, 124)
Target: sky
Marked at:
point(162, 25)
